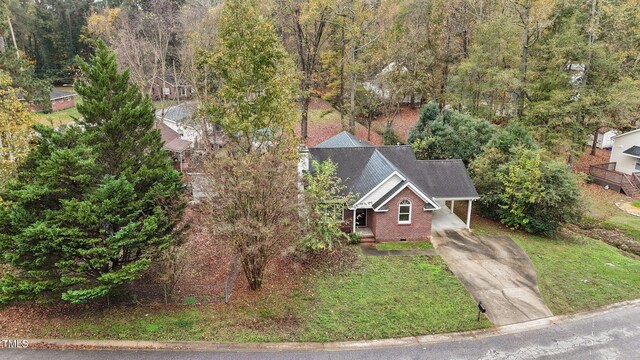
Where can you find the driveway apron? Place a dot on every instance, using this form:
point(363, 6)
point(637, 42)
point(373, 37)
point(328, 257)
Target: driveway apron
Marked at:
point(496, 272)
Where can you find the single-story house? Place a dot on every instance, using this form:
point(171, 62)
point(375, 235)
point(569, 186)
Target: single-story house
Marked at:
point(398, 197)
point(180, 119)
point(378, 85)
point(622, 172)
point(176, 146)
point(170, 89)
point(60, 100)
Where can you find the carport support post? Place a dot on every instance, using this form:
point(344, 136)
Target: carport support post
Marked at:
point(453, 202)
point(468, 215)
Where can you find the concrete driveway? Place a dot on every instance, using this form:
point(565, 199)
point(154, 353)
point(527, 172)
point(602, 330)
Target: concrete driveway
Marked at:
point(496, 272)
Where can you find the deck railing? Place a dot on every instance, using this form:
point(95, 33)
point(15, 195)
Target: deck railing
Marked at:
point(635, 179)
point(606, 172)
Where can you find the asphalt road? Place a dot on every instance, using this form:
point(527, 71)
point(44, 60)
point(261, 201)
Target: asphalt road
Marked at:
point(612, 334)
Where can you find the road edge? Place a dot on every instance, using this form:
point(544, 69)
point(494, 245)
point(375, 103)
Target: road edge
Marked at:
point(327, 346)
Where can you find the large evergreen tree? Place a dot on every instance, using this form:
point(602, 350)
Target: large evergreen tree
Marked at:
point(449, 135)
point(91, 205)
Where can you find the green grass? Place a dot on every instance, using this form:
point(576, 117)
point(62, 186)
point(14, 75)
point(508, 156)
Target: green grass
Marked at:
point(57, 118)
point(629, 224)
point(409, 245)
point(381, 297)
point(575, 275)
point(66, 116)
point(390, 297)
point(635, 204)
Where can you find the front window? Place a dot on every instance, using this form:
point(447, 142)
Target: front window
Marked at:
point(404, 212)
point(638, 164)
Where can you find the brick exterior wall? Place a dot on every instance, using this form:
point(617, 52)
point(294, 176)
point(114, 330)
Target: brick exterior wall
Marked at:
point(63, 103)
point(157, 92)
point(385, 225)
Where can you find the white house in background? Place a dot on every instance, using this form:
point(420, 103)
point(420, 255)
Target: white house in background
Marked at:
point(180, 119)
point(379, 87)
point(605, 140)
point(626, 152)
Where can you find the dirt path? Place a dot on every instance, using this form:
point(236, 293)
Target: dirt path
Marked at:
point(496, 272)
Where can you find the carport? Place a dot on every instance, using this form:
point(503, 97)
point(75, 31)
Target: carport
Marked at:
point(445, 218)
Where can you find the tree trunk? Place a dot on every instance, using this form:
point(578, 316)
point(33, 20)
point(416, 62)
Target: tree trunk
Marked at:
point(305, 115)
point(352, 107)
point(524, 58)
point(341, 96)
point(594, 144)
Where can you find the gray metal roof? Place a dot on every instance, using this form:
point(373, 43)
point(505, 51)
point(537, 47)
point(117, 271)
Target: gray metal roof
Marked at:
point(178, 113)
point(633, 151)
point(342, 140)
point(57, 94)
point(353, 163)
point(363, 168)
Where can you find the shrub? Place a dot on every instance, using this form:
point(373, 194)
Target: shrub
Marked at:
point(525, 190)
point(389, 136)
point(325, 202)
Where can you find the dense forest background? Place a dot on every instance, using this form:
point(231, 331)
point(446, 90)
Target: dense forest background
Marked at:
point(564, 68)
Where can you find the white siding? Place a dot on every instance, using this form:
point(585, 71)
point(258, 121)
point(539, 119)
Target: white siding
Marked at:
point(380, 191)
point(625, 163)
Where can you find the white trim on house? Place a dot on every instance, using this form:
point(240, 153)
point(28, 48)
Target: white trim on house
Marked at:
point(401, 204)
point(633, 156)
point(456, 198)
point(415, 190)
point(625, 134)
point(64, 96)
point(395, 173)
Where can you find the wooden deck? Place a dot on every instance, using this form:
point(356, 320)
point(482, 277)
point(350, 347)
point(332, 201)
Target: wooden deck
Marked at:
point(606, 175)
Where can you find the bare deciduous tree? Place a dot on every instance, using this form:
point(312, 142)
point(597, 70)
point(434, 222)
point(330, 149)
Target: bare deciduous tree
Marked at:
point(305, 24)
point(253, 202)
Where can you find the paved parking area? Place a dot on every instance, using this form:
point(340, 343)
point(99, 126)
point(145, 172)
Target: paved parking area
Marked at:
point(496, 272)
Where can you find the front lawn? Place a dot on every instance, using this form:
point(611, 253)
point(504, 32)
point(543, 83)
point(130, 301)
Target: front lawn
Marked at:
point(390, 297)
point(58, 118)
point(408, 245)
point(575, 274)
point(379, 297)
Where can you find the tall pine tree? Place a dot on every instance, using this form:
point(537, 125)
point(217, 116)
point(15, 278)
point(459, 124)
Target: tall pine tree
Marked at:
point(91, 205)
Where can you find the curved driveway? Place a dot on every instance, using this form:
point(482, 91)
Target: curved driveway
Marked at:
point(496, 272)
